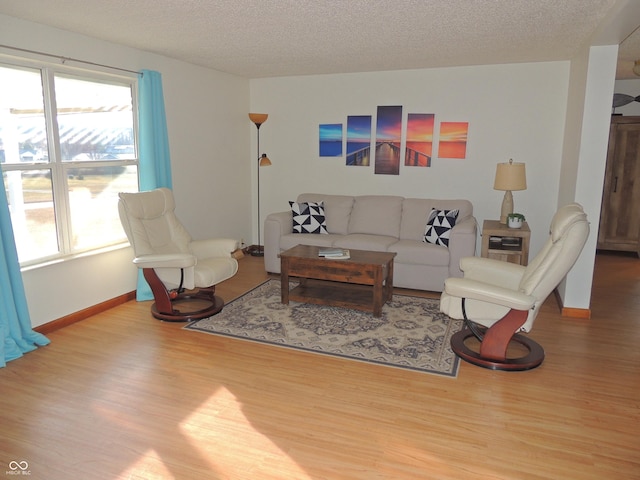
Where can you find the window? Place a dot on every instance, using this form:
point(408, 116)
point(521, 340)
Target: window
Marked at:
point(67, 147)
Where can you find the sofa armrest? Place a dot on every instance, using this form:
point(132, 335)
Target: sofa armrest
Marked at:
point(462, 243)
point(275, 225)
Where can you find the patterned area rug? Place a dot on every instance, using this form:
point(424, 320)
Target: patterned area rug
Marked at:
point(411, 333)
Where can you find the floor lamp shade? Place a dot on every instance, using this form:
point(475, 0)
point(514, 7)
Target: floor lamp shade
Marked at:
point(258, 118)
point(263, 161)
point(509, 177)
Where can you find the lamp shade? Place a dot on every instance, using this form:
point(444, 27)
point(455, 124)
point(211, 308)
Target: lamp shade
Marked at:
point(258, 118)
point(264, 160)
point(510, 176)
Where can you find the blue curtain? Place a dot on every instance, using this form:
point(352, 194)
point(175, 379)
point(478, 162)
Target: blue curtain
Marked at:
point(155, 161)
point(16, 335)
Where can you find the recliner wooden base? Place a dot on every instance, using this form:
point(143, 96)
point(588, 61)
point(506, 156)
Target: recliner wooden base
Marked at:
point(165, 301)
point(214, 304)
point(532, 359)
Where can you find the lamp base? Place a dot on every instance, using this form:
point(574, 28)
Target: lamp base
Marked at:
point(507, 206)
point(256, 250)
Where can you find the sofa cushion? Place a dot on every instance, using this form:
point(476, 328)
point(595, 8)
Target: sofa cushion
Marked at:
point(439, 226)
point(308, 217)
point(337, 209)
point(413, 252)
point(364, 241)
point(376, 215)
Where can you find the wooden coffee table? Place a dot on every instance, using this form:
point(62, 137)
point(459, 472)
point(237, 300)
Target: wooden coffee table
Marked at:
point(363, 282)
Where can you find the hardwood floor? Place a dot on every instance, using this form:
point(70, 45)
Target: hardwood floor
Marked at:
point(123, 396)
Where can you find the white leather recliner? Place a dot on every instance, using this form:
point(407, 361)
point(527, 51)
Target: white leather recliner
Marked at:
point(499, 299)
point(173, 263)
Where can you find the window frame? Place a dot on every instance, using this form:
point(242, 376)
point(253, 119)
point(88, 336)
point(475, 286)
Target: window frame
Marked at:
point(59, 167)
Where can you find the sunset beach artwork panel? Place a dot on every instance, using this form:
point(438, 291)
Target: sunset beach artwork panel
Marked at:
point(388, 133)
point(419, 145)
point(331, 140)
point(359, 140)
point(453, 140)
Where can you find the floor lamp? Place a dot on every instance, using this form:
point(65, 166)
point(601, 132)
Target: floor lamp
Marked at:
point(263, 161)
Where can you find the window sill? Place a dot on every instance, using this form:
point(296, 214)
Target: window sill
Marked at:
point(75, 256)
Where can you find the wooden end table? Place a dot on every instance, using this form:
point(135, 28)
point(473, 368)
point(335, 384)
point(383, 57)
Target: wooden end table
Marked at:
point(504, 243)
point(362, 282)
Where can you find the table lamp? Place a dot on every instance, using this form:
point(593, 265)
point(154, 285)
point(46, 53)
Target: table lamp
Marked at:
point(509, 177)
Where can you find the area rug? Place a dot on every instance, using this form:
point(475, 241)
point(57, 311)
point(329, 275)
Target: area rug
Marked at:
point(411, 333)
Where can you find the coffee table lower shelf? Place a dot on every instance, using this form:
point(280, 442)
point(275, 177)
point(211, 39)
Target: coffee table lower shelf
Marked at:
point(335, 294)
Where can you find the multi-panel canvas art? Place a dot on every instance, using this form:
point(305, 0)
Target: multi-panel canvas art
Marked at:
point(419, 144)
point(453, 140)
point(419, 140)
point(331, 140)
point(388, 136)
point(359, 140)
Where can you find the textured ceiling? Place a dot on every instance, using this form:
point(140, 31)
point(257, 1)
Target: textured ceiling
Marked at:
point(262, 38)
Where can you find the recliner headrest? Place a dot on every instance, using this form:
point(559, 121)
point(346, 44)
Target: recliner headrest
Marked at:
point(564, 218)
point(150, 204)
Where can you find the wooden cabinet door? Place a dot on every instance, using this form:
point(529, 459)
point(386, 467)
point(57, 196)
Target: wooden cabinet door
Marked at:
point(620, 214)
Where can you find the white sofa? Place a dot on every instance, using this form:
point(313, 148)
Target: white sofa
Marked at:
point(382, 223)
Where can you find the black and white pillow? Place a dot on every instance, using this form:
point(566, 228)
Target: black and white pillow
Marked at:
point(308, 217)
point(439, 226)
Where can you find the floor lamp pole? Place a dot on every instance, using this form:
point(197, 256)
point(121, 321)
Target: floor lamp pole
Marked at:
point(259, 252)
point(263, 160)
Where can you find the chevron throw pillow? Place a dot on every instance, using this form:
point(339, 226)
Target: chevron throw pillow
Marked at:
point(308, 217)
point(439, 226)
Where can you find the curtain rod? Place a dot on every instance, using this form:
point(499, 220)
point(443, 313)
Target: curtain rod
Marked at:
point(69, 59)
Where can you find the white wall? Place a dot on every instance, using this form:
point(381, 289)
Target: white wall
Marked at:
point(591, 90)
point(208, 132)
point(593, 140)
point(514, 111)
